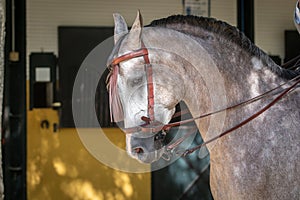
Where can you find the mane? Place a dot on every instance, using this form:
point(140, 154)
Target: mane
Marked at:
point(192, 24)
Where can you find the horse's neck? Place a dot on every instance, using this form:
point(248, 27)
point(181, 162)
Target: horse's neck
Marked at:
point(234, 80)
point(216, 74)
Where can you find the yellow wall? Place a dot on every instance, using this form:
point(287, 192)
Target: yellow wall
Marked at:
point(59, 167)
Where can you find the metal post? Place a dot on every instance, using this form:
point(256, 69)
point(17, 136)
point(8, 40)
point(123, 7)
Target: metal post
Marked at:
point(2, 36)
point(245, 9)
point(14, 140)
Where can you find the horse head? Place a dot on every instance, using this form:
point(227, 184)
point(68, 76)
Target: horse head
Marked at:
point(129, 84)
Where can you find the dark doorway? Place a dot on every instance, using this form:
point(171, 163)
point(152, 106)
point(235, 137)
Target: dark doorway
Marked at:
point(75, 43)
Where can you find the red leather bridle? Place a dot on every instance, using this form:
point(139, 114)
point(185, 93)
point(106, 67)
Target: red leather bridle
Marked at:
point(152, 126)
point(150, 123)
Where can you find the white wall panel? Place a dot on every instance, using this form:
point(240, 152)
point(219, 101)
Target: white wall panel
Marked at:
point(272, 17)
point(224, 10)
point(44, 16)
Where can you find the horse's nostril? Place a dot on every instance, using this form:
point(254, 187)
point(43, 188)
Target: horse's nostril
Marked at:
point(160, 136)
point(138, 150)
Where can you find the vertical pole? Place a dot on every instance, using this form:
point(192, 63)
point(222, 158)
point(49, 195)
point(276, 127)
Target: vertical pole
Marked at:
point(2, 36)
point(245, 9)
point(14, 140)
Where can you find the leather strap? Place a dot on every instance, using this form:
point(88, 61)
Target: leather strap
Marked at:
point(130, 55)
point(150, 88)
point(149, 73)
point(280, 96)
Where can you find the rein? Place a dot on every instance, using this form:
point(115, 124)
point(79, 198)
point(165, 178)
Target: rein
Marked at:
point(280, 96)
point(152, 126)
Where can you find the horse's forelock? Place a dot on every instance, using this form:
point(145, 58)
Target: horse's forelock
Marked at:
point(115, 106)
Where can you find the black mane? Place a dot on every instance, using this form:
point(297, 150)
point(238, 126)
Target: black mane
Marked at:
point(223, 29)
point(187, 24)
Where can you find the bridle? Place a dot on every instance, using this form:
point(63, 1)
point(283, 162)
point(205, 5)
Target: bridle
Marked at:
point(152, 126)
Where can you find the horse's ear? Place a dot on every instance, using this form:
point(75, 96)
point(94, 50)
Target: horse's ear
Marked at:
point(134, 37)
point(120, 27)
point(138, 22)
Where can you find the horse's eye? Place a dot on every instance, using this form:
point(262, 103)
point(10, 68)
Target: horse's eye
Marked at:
point(136, 81)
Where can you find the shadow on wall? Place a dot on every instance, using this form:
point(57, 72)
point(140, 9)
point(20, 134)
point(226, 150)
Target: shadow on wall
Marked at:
point(59, 167)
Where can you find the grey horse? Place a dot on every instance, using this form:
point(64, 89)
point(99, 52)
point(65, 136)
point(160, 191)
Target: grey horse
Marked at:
point(210, 65)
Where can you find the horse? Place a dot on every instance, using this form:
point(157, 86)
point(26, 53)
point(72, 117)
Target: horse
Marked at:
point(210, 65)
